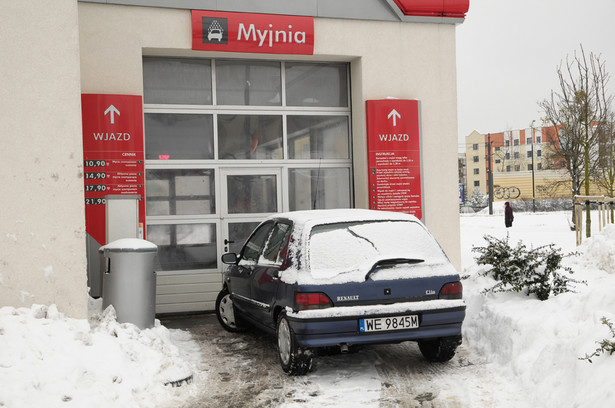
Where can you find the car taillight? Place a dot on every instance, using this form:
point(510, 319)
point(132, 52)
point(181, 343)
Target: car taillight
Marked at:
point(309, 301)
point(451, 290)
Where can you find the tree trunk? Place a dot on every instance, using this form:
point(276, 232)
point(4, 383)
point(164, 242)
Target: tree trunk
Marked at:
point(588, 215)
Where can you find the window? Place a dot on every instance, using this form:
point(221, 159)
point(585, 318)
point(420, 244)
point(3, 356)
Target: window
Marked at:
point(253, 246)
point(538, 139)
point(274, 251)
point(178, 136)
point(318, 137)
point(498, 161)
point(475, 159)
point(184, 246)
point(530, 167)
point(538, 153)
point(507, 143)
point(177, 81)
point(507, 156)
point(180, 192)
point(314, 84)
point(529, 154)
point(508, 168)
point(497, 149)
point(516, 155)
point(539, 166)
point(517, 167)
point(475, 146)
point(516, 142)
point(254, 137)
point(476, 171)
point(248, 83)
point(318, 188)
point(476, 183)
point(250, 194)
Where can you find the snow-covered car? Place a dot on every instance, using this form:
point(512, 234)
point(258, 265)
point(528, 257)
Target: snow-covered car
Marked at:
point(340, 278)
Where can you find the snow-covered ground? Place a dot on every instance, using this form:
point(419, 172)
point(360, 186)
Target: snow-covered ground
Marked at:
point(49, 360)
point(528, 350)
point(538, 344)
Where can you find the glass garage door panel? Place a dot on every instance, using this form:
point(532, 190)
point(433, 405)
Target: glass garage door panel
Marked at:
point(184, 246)
point(238, 233)
point(252, 194)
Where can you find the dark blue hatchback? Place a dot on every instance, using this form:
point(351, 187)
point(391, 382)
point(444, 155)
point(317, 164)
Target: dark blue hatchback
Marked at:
point(340, 278)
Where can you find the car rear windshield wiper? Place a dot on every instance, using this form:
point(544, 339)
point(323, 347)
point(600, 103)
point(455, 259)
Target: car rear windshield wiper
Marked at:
point(391, 262)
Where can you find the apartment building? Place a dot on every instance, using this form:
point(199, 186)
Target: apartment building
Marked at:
point(521, 161)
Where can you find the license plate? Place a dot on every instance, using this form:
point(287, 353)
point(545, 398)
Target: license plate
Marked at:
point(388, 323)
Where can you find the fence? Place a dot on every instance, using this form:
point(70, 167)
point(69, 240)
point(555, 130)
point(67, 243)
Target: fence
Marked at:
point(603, 216)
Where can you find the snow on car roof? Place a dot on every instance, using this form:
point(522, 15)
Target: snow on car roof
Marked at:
point(313, 217)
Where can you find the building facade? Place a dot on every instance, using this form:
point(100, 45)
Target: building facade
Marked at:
point(522, 162)
point(229, 135)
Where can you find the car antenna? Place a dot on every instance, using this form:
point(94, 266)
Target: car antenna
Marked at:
point(316, 187)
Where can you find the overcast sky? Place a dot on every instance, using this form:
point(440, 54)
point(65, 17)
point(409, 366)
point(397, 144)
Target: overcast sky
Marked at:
point(508, 53)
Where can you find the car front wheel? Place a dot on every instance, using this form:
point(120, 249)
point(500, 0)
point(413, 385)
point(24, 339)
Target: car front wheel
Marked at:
point(225, 312)
point(439, 350)
point(293, 359)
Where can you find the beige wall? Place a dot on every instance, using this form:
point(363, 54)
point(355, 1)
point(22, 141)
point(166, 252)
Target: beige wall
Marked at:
point(475, 138)
point(42, 244)
point(412, 61)
point(548, 184)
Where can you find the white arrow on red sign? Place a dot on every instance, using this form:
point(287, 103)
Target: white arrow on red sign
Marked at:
point(112, 110)
point(395, 116)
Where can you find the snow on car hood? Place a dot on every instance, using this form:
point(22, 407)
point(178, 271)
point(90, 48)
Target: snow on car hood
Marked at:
point(339, 246)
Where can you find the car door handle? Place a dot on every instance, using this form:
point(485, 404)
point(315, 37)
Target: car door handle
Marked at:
point(226, 242)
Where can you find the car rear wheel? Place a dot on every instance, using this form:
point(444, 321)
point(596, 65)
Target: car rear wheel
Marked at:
point(225, 312)
point(293, 359)
point(439, 350)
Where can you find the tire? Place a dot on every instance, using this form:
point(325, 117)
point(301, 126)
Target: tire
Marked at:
point(439, 350)
point(294, 360)
point(226, 313)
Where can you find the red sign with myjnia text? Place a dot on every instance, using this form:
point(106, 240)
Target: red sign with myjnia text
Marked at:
point(113, 155)
point(394, 155)
point(244, 32)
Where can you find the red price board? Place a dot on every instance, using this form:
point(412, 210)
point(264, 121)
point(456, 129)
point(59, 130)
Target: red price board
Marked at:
point(394, 155)
point(113, 155)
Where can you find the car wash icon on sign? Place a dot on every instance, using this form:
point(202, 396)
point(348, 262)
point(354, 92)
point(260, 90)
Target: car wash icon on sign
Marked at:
point(217, 30)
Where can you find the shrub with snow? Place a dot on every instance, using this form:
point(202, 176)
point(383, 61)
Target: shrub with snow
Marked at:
point(519, 269)
point(605, 346)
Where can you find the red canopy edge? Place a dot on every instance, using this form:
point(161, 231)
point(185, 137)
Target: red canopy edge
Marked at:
point(434, 8)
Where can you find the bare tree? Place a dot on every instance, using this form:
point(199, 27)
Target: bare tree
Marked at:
point(576, 109)
point(605, 176)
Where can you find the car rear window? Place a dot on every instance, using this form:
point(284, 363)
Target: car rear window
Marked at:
point(351, 249)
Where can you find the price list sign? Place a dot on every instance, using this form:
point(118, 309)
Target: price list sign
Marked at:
point(113, 155)
point(394, 155)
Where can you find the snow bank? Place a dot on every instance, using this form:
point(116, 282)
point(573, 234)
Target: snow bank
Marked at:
point(600, 251)
point(538, 344)
point(47, 359)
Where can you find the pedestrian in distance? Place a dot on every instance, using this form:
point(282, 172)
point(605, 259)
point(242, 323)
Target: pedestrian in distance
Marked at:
point(508, 215)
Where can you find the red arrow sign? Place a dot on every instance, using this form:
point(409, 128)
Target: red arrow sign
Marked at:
point(113, 155)
point(394, 155)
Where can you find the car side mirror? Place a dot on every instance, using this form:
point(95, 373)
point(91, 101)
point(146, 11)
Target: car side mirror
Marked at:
point(230, 258)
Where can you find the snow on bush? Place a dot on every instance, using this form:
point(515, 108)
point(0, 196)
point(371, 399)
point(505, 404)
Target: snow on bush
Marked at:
point(519, 269)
